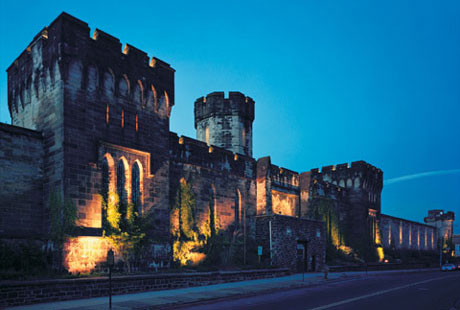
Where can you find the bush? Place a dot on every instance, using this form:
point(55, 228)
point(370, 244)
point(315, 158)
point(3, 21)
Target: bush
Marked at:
point(22, 259)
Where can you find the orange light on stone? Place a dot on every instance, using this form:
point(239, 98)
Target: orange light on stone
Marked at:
point(380, 254)
point(284, 203)
point(82, 254)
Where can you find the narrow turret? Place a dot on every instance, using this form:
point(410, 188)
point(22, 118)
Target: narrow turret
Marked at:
point(225, 122)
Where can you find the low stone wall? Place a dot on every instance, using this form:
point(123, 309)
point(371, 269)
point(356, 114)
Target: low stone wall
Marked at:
point(15, 293)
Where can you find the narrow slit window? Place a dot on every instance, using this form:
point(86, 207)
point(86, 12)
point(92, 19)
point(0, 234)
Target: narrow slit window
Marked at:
point(137, 122)
point(136, 188)
point(107, 118)
point(122, 118)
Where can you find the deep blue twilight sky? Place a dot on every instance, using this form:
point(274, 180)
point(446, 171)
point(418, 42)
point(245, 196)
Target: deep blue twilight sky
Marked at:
point(333, 81)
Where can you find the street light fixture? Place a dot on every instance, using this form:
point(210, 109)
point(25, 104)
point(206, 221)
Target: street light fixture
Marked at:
point(110, 263)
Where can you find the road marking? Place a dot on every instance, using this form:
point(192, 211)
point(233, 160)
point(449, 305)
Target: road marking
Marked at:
point(346, 301)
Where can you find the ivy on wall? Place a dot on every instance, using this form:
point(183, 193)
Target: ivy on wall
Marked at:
point(324, 210)
point(189, 236)
point(63, 216)
point(122, 227)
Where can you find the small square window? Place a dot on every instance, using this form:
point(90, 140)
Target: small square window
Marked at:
point(318, 233)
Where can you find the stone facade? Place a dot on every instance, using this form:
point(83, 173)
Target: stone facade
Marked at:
point(225, 122)
point(399, 234)
point(293, 242)
point(443, 221)
point(98, 121)
point(21, 182)
point(456, 245)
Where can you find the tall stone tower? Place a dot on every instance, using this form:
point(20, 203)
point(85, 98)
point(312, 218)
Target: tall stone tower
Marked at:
point(225, 122)
point(90, 99)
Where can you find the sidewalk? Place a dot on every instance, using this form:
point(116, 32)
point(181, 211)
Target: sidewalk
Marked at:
point(157, 299)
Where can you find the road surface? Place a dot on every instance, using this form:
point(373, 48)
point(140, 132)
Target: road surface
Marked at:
point(406, 291)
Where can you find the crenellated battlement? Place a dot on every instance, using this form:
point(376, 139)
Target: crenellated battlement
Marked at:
point(320, 188)
point(185, 150)
point(284, 177)
point(216, 103)
point(364, 181)
point(65, 25)
point(358, 174)
point(98, 65)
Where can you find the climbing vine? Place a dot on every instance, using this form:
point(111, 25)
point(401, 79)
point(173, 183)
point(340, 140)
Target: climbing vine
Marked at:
point(63, 217)
point(190, 237)
point(122, 227)
point(325, 210)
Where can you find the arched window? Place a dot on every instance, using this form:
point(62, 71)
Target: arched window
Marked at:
point(206, 133)
point(121, 185)
point(237, 209)
point(107, 115)
point(212, 211)
point(105, 179)
point(136, 187)
point(168, 105)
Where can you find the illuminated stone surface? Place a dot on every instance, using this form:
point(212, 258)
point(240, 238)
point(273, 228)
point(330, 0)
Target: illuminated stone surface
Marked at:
point(82, 254)
point(89, 105)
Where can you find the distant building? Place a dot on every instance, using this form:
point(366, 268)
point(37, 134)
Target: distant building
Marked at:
point(456, 244)
point(443, 221)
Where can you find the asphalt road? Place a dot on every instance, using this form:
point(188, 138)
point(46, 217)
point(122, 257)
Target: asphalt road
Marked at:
point(407, 291)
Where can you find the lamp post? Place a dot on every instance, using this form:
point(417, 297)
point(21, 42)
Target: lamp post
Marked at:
point(110, 263)
point(440, 252)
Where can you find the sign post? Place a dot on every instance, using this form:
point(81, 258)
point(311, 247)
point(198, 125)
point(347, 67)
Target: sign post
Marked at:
point(110, 263)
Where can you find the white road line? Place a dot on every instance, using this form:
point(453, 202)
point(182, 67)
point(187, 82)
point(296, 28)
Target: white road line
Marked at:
point(346, 301)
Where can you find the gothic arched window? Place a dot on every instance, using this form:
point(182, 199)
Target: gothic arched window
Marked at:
point(121, 185)
point(212, 211)
point(105, 179)
point(136, 187)
point(237, 209)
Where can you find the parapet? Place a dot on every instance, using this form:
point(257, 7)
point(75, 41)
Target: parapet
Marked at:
point(284, 177)
point(321, 188)
point(439, 215)
point(357, 174)
point(66, 41)
point(216, 103)
point(185, 150)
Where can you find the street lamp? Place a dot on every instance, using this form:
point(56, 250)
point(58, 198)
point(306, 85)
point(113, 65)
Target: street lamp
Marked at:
point(110, 263)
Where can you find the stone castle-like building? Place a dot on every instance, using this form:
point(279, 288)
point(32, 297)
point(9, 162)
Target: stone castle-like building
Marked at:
point(89, 117)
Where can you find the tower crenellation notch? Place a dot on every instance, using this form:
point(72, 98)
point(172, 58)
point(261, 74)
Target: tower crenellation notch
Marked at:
point(225, 122)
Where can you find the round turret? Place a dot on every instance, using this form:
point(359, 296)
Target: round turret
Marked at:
point(225, 122)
